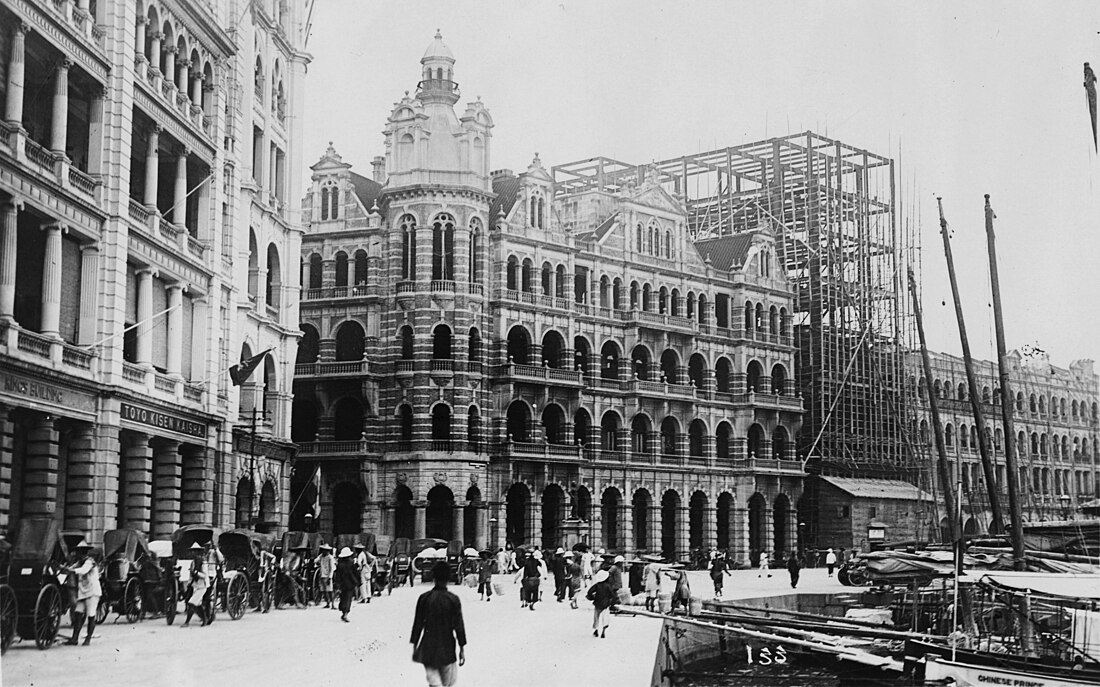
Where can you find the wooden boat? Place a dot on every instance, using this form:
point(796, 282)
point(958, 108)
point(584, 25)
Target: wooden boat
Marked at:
point(943, 671)
point(916, 650)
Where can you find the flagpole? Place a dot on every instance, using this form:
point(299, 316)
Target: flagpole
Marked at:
point(217, 376)
point(136, 324)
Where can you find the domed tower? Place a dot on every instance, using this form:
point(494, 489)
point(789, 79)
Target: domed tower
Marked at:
point(436, 203)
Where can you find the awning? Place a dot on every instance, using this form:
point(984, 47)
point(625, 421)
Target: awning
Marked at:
point(1065, 585)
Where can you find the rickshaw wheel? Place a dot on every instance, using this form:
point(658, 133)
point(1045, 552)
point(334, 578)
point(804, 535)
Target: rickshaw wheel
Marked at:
point(47, 616)
point(236, 597)
point(102, 610)
point(267, 592)
point(132, 600)
point(315, 594)
point(171, 599)
point(9, 611)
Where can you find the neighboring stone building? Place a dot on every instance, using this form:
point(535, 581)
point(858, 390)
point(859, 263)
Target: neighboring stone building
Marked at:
point(121, 156)
point(1056, 427)
point(487, 358)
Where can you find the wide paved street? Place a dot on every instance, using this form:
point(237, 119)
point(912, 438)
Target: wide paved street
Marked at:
point(507, 645)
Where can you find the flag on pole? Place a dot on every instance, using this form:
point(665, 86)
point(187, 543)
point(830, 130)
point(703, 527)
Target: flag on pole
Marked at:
point(241, 372)
point(1090, 96)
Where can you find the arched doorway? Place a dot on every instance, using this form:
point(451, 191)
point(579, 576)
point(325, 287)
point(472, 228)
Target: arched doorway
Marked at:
point(245, 492)
point(347, 506)
point(519, 346)
point(404, 514)
point(697, 508)
point(553, 512)
point(641, 505)
point(439, 513)
point(519, 422)
point(670, 520)
point(609, 512)
point(350, 341)
point(267, 503)
point(782, 524)
point(725, 510)
point(553, 424)
point(757, 515)
point(517, 504)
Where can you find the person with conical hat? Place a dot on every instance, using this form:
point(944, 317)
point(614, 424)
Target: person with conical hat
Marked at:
point(194, 603)
point(88, 591)
point(346, 580)
point(326, 564)
point(602, 598)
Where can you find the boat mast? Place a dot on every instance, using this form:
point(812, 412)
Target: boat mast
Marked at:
point(954, 528)
point(1011, 464)
point(997, 526)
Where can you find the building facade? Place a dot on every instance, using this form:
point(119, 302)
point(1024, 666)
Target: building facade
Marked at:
point(1055, 417)
point(120, 199)
point(488, 357)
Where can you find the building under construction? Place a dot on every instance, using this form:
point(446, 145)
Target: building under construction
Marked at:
point(834, 207)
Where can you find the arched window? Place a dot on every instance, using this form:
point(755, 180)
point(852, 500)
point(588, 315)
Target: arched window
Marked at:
point(473, 429)
point(609, 355)
point(722, 370)
point(668, 244)
point(475, 250)
point(754, 376)
point(274, 277)
point(408, 247)
point(756, 441)
point(441, 427)
point(474, 350)
point(407, 350)
point(441, 342)
point(640, 239)
point(360, 267)
point(316, 271)
point(527, 278)
point(350, 341)
point(324, 203)
point(722, 438)
point(511, 281)
point(779, 379)
point(519, 346)
point(697, 431)
point(670, 437)
point(341, 269)
point(559, 282)
point(443, 248)
point(639, 434)
point(405, 426)
point(609, 431)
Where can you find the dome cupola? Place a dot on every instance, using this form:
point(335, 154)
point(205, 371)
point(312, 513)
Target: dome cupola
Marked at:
point(437, 83)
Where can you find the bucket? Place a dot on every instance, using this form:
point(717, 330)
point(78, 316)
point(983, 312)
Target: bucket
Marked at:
point(498, 588)
point(695, 607)
point(470, 580)
point(664, 602)
point(624, 596)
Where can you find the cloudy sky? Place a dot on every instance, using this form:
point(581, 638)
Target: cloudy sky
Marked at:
point(970, 98)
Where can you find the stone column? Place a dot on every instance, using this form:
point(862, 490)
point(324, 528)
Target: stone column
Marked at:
point(144, 315)
point(179, 198)
point(481, 537)
point(9, 242)
point(59, 128)
point(196, 87)
point(89, 292)
point(16, 75)
point(51, 281)
point(174, 364)
point(419, 520)
point(170, 64)
point(152, 161)
point(7, 431)
point(139, 39)
point(196, 487)
point(167, 488)
point(154, 58)
point(40, 469)
point(136, 482)
point(80, 487)
point(459, 531)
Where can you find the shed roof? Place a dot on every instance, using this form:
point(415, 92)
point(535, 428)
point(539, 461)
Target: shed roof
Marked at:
point(878, 488)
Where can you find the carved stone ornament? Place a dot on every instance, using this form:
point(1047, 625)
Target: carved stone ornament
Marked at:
point(440, 477)
point(473, 480)
point(402, 478)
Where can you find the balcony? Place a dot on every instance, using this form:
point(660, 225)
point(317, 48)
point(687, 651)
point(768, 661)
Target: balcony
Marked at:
point(554, 453)
point(335, 450)
point(352, 368)
point(660, 389)
point(539, 374)
point(768, 466)
point(325, 293)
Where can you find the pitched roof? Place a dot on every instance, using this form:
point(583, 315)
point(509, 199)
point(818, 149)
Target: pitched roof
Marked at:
point(878, 488)
point(505, 186)
point(366, 189)
point(726, 252)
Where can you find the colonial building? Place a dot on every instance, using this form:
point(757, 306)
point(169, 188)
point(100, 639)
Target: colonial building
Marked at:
point(489, 357)
point(121, 159)
point(1055, 417)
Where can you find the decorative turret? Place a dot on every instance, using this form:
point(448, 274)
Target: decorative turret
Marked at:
point(437, 84)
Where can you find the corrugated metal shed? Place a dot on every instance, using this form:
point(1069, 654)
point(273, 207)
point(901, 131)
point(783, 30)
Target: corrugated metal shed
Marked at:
point(878, 488)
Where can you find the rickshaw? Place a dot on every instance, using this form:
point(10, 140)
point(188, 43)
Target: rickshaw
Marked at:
point(37, 601)
point(400, 564)
point(243, 563)
point(307, 576)
point(135, 581)
point(426, 552)
point(183, 540)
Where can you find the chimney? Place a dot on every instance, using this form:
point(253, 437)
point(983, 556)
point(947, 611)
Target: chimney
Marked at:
point(379, 166)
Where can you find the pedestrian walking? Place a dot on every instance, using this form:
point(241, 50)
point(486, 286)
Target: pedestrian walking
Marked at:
point(326, 565)
point(531, 573)
point(88, 591)
point(615, 577)
point(573, 567)
point(602, 598)
point(364, 563)
point(561, 575)
point(764, 565)
point(830, 561)
point(485, 568)
point(504, 562)
point(346, 580)
point(213, 563)
point(195, 603)
point(437, 625)
point(651, 580)
point(794, 568)
point(719, 568)
point(291, 567)
point(586, 564)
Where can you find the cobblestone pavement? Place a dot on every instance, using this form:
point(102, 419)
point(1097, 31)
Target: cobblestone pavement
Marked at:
point(552, 645)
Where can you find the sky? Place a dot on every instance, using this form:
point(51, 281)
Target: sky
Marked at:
point(969, 99)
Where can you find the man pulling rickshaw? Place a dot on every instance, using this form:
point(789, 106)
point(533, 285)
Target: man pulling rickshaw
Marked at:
point(86, 573)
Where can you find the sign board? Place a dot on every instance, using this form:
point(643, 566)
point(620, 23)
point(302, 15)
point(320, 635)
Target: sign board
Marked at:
point(159, 420)
point(38, 391)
